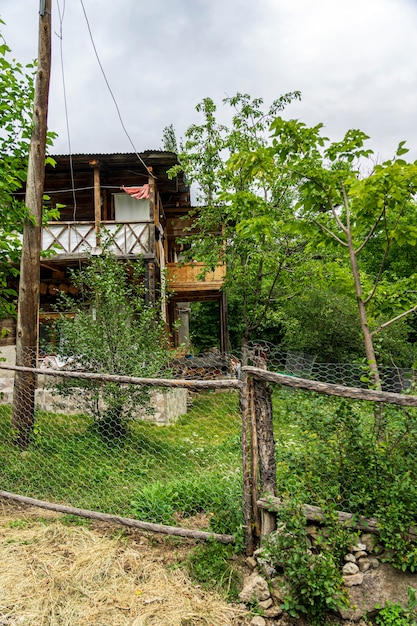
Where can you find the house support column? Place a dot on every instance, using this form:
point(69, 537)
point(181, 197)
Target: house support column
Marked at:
point(95, 164)
point(224, 329)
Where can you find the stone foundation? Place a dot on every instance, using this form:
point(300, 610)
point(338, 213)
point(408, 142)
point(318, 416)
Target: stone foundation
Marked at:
point(167, 404)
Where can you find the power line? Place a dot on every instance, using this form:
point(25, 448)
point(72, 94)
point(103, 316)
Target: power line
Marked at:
point(112, 94)
point(60, 36)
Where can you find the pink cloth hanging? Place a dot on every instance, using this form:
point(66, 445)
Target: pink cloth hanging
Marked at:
point(140, 193)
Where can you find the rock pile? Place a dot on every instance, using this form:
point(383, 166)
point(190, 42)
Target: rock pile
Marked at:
point(361, 558)
point(368, 581)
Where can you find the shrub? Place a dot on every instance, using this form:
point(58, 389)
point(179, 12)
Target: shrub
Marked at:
point(113, 331)
point(313, 575)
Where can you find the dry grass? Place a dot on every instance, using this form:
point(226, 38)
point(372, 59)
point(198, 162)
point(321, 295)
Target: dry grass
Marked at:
point(57, 575)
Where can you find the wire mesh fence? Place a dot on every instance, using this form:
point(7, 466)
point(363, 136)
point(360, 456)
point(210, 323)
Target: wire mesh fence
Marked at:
point(165, 451)
point(168, 450)
point(334, 455)
point(394, 379)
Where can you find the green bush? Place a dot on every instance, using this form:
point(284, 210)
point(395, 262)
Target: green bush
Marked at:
point(312, 573)
point(329, 452)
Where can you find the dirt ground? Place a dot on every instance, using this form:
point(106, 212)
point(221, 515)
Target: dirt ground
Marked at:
point(52, 573)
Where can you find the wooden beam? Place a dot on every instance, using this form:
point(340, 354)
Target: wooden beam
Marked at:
point(124, 521)
point(354, 393)
point(316, 514)
point(228, 383)
point(95, 164)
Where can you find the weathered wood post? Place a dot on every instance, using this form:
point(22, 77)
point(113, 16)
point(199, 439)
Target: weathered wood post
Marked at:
point(245, 412)
point(266, 448)
point(29, 284)
point(151, 286)
point(95, 164)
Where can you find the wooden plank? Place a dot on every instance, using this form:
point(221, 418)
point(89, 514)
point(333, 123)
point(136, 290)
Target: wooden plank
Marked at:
point(354, 393)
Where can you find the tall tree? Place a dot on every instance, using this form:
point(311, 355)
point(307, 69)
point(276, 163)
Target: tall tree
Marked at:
point(17, 92)
point(340, 206)
point(244, 201)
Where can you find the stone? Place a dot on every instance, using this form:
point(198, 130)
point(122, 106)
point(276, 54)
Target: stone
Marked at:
point(273, 612)
point(353, 580)
point(374, 562)
point(255, 589)
point(258, 621)
point(360, 554)
point(357, 547)
point(312, 531)
point(370, 541)
point(349, 569)
point(279, 589)
point(266, 604)
point(251, 562)
point(381, 585)
point(364, 564)
point(350, 558)
point(267, 569)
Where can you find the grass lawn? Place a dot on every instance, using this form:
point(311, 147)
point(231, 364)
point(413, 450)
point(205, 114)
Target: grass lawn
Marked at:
point(158, 474)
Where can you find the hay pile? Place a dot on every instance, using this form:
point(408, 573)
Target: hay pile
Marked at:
point(57, 575)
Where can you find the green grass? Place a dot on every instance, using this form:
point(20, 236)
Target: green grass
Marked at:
point(157, 474)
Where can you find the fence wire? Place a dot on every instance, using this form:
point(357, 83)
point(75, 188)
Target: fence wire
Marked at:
point(171, 452)
point(394, 379)
point(352, 457)
point(163, 454)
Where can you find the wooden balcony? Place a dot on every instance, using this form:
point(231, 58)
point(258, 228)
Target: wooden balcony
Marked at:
point(68, 240)
point(187, 278)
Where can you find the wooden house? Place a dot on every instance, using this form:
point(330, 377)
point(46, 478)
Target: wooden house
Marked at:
point(131, 198)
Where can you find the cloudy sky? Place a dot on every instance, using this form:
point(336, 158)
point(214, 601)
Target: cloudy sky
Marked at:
point(355, 62)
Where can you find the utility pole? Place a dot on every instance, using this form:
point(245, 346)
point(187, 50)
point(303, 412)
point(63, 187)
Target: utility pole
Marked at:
point(28, 303)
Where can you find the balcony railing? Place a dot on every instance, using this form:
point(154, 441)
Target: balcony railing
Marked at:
point(191, 277)
point(65, 239)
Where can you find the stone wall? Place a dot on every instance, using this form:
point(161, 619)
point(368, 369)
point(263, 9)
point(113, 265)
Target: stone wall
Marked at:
point(167, 404)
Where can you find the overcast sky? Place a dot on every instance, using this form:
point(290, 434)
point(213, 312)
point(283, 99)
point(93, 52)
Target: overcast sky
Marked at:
point(355, 62)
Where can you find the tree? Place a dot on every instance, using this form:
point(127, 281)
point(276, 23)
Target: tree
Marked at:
point(339, 207)
point(112, 331)
point(17, 92)
point(169, 140)
point(244, 202)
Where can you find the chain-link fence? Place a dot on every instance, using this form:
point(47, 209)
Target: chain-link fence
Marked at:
point(163, 450)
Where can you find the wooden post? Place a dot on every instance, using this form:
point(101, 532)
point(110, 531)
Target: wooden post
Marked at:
point(224, 332)
point(28, 303)
point(152, 250)
point(254, 460)
point(95, 164)
point(246, 474)
point(266, 449)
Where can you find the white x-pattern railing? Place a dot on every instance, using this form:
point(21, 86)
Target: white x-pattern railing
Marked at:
point(79, 238)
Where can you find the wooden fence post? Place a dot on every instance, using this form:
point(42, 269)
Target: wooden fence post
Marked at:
point(266, 449)
point(246, 472)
